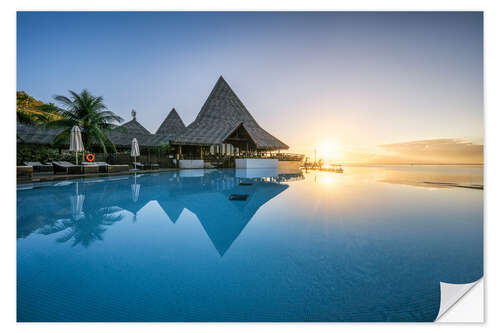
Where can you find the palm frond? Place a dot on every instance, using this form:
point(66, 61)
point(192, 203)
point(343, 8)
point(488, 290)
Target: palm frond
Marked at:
point(64, 122)
point(64, 101)
point(87, 111)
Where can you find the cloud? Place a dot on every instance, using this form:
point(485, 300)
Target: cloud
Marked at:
point(434, 151)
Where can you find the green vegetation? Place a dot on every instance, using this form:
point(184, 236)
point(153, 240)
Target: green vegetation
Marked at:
point(164, 148)
point(32, 152)
point(86, 111)
point(31, 111)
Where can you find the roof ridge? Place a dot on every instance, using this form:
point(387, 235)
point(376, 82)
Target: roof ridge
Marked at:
point(222, 91)
point(172, 120)
point(222, 112)
point(135, 122)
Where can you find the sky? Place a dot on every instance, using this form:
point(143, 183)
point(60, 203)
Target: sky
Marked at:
point(356, 86)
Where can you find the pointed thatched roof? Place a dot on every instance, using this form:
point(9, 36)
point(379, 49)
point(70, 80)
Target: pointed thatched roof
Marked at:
point(123, 135)
point(220, 116)
point(36, 134)
point(171, 126)
point(222, 119)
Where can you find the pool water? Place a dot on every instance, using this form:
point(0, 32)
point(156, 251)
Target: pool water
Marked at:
point(371, 244)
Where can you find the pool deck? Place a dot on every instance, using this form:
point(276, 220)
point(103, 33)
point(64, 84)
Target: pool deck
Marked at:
point(49, 176)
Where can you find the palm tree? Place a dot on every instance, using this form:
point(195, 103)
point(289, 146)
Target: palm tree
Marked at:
point(86, 111)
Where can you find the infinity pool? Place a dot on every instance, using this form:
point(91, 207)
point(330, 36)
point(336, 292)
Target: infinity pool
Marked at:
point(371, 244)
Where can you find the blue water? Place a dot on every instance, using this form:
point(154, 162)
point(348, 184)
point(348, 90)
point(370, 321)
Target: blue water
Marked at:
point(371, 244)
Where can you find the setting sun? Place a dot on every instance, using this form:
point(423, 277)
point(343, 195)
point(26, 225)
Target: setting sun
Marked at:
point(328, 150)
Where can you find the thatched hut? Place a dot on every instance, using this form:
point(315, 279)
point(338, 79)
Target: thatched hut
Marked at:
point(171, 126)
point(222, 127)
point(122, 135)
point(38, 135)
point(168, 130)
point(225, 125)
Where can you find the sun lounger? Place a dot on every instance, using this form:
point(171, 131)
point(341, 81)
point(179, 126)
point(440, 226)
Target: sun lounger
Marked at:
point(39, 167)
point(94, 167)
point(138, 165)
point(103, 166)
point(152, 166)
point(109, 168)
point(118, 168)
point(90, 168)
point(70, 168)
point(66, 167)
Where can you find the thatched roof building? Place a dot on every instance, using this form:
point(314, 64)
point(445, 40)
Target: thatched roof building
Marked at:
point(36, 134)
point(171, 126)
point(224, 119)
point(122, 135)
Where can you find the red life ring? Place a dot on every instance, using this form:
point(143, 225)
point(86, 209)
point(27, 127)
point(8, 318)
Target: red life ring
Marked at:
point(90, 157)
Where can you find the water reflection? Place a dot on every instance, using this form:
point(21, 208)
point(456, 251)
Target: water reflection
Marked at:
point(136, 189)
point(330, 247)
point(84, 209)
point(87, 228)
point(431, 176)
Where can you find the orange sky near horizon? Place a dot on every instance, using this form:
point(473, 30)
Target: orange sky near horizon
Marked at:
point(433, 151)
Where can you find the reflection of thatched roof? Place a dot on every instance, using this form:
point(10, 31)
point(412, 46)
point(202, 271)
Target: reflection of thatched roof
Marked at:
point(221, 115)
point(222, 219)
point(172, 208)
point(206, 196)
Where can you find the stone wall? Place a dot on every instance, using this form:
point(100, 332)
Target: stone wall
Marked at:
point(256, 163)
point(191, 164)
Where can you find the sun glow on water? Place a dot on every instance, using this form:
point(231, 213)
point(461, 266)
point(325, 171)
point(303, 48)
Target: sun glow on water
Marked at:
point(327, 178)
